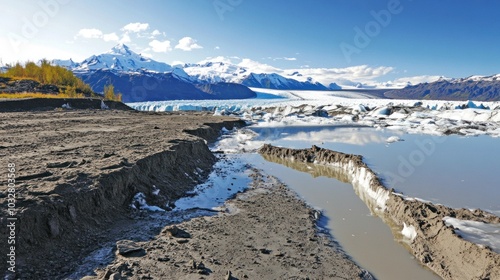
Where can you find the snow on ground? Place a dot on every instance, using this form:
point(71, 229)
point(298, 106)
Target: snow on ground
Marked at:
point(139, 202)
point(477, 232)
point(229, 177)
point(409, 232)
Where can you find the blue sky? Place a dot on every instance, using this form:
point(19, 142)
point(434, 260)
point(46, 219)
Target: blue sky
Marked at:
point(382, 40)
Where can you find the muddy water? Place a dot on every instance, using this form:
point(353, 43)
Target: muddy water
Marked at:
point(451, 170)
point(363, 236)
point(456, 171)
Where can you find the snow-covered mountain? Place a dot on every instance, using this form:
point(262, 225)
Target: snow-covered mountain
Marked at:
point(477, 78)
point(222, 70)
point(275, 81)
point(139, 78)
point(216, 71)
point(121, 58)
point(479, 88)
point(70, 64)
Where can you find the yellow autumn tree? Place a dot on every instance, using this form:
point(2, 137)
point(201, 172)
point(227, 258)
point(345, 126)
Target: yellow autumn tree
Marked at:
point(109, 93)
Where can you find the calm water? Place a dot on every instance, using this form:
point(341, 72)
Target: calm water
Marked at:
point(451, 170)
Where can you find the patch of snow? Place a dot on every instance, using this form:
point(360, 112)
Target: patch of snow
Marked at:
point(229, 177)
point(139, 202)
point(479, 233)
point(409, 232)
point(155, 191)
point(393, 139)
point(104, 106)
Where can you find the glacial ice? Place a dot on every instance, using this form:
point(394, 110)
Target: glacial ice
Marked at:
point(309, 108)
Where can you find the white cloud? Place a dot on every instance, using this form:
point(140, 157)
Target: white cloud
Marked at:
point(280, 58)
point(356, 74)
point(222, 59)
point(217, 48)
point(155, 33)
point(135, 27)
point(89, 33)
point(188, 44)
point(416, 79)
point(125, 39)
point(159, 46)
point(258, 67)
point(111, 37)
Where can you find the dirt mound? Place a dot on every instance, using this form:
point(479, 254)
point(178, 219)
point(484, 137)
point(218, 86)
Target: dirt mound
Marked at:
point(47, 104)
point(435, 244)
point(9, 85)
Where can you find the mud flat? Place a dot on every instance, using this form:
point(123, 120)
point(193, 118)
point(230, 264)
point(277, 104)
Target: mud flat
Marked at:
point(435, 243)
point(77, 171)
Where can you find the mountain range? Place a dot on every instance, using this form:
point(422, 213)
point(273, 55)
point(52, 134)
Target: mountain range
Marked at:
point(479, 88)
point(140, 78)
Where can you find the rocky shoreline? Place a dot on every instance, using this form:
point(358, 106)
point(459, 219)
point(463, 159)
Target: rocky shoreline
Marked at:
point(435, 244)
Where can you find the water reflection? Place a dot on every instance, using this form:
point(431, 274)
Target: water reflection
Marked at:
point(357, 135)
point(315, 170)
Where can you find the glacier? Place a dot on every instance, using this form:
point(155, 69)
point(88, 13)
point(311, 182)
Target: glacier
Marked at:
point(278, 107)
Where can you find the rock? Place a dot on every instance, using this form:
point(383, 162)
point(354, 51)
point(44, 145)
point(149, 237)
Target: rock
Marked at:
point(265, 251)
point(279, 254)
point(115, 276)
point(163, 259)
point(54, 227)
point(229, 275)
point(174, 231)
point(128, 248)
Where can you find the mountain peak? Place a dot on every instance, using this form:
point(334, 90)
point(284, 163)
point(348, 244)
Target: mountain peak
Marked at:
point(121, 49)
